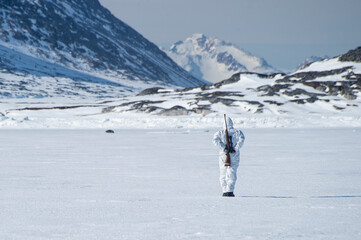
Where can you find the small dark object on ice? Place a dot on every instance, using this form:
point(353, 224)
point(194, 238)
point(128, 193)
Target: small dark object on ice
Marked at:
point(228, 194)
point(109, 131)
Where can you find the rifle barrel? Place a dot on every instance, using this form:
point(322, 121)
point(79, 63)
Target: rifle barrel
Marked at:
point(228, 157)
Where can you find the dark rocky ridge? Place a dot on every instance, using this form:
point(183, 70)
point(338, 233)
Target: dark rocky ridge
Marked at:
point(352, 56)
point(312, 75)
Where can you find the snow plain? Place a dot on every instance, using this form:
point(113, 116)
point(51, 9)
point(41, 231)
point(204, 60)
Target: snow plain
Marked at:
point(163, 184)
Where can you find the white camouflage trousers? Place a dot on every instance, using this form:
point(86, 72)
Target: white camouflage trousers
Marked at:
point(228, 177)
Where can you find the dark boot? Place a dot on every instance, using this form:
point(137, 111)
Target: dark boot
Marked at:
point(228, 194)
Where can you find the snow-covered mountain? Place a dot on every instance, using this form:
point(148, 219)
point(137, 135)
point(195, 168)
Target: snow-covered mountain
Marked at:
point(83, 38)
point(214, 60)
point(325, 93)
point(310, 60)
point(330, 87)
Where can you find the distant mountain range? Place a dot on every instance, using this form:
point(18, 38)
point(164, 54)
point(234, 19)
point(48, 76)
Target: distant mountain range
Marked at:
point(310, 60)
point(326, 87)
point(81, 36)
point(214, 60)
point(325, 93)
point(73, 59)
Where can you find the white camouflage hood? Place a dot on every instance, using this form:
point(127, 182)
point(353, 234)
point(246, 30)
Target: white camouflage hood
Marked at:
point(229, 123)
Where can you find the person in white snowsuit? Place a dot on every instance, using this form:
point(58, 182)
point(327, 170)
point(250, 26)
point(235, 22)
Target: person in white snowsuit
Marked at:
point(228, 174)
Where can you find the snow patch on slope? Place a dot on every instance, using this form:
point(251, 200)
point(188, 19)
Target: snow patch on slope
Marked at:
point(333, 63)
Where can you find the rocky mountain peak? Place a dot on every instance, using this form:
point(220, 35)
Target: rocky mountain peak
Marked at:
point(353, 55)
point(84, 35)
point(213, 59)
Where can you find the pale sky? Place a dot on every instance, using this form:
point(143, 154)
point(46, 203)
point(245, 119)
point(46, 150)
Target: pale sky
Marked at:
point(284, 32)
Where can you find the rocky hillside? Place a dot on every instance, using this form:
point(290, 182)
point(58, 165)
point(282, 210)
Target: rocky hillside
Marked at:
point(330, 86)
point(84, 36)
point(214, 60)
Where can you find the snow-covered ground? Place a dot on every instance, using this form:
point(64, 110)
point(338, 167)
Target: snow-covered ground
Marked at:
point(92, 118)
point(163, 184)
